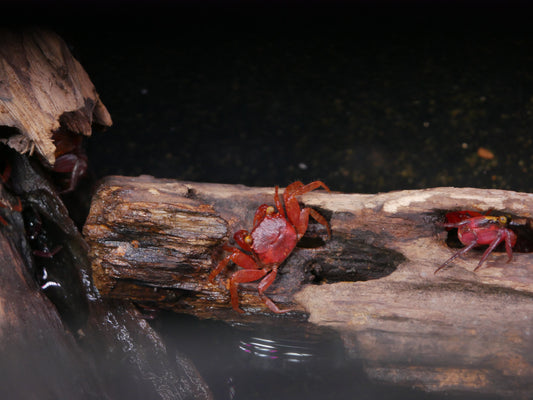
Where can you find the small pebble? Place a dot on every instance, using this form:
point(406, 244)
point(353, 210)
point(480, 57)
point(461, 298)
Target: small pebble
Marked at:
point(485, 153)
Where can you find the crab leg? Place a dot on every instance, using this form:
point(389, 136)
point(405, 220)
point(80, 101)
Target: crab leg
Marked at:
point(301, 188)
point(300, 217)
point(264, 285)
point(459, 253)
point(238, 257)
point(492, 246)
point(509, 245)
point(277, 201)
point(243, 276)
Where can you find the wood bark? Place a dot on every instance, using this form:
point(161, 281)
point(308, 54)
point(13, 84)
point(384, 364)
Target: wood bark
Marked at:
point(58, 329)
point(58, 335)
point(156, 241)
point(43, 88)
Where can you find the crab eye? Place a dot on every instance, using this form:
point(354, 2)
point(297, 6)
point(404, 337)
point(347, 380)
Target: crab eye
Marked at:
point(248, 240)
point(502, 219)
point(270, 210)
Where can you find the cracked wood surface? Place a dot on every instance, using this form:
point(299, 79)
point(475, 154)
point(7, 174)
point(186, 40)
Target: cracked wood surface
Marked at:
point(44, 88)
point(155, 241)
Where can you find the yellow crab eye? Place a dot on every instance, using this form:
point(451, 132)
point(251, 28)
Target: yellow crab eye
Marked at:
point(502, 219)
point(248, 240)
point(270, 210)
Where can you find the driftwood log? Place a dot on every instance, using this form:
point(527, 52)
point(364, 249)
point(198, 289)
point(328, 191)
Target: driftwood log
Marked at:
point(155, 241)
point(54, 324)
point(58, 337)
point(44, 89)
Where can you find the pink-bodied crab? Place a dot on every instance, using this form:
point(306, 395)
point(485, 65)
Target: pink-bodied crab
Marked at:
point(273, 237)
point(475, 229)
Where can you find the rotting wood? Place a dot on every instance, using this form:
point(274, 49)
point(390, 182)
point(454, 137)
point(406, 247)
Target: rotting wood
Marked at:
point(153, 238)
point(456, 330)
point(43, 89)
point(51, 311)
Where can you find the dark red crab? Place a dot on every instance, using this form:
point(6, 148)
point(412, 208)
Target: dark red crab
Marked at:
point(71, 159)
point(475, 229)
point(273, 237)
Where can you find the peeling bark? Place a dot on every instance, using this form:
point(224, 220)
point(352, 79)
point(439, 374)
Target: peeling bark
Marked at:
point(43, 89)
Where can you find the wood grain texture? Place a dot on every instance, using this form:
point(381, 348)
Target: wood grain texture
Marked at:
point(44, 88)
point(373, 281)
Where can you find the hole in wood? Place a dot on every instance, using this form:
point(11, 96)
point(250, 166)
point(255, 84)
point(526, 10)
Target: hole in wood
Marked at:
point(521, 226)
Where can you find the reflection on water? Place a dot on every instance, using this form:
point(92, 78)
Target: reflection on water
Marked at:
point(276, 350)
point(288, 360)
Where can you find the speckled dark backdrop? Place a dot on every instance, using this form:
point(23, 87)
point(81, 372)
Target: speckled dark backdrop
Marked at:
point(365, 98)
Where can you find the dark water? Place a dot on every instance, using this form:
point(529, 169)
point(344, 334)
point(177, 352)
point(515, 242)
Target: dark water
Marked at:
point(281, 361)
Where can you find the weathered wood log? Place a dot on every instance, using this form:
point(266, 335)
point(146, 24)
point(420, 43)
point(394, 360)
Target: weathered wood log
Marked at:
point(55, 325)
point(43, 89)
point(33, 340)
point(156, 240)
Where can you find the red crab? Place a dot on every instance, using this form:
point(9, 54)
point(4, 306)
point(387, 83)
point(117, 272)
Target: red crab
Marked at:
point(273, 237)
point(475, 229)
point(70, 158)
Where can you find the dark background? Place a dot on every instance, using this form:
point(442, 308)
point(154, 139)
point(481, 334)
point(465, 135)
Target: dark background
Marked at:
point(366, 96)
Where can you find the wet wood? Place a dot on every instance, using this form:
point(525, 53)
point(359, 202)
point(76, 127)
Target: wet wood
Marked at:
point(43, 89)
point(55, 326)
point(32, 335)
point(373, 281)
point(157, 240)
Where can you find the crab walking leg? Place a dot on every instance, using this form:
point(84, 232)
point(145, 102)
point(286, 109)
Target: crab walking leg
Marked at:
point(300, 218)
point(243, 276)
point(293, 187)
point(459, 253)
point(492, 246)
point(509, 245)
point(298, 188)
point(277, 202)
point(311, 186)
point(238, 257)
point(273, 307)
point(267, 280)
point(264, 285)
point(320, 219)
